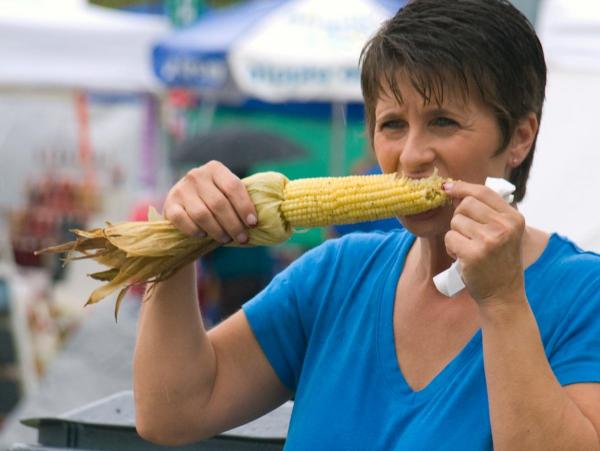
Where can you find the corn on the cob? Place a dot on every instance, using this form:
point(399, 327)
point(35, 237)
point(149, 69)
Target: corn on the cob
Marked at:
point(325, 201)
point(138, 252)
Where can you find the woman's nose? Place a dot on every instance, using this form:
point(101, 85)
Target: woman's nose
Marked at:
point(417, 156)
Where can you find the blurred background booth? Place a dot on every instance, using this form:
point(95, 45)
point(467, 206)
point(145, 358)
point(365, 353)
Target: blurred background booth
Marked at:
point(78, 140)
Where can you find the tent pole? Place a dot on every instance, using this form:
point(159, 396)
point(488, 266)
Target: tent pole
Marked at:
point(208, 108)
point(84, 135)
point(149, 144)
point(337, 154)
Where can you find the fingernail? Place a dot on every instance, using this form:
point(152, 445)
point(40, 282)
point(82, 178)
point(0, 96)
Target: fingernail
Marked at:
point(251, 220)
point(448, 186)
point(242, 238)
point(225, 239)
point(200, 234)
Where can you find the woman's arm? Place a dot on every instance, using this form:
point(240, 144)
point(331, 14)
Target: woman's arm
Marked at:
point(529, 409)
point(190, 384)
point(175, 365)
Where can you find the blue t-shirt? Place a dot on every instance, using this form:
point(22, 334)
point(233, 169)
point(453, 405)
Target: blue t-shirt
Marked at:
point(325, 325)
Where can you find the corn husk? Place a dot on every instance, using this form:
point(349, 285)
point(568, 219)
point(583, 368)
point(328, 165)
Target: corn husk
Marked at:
point(152, 251)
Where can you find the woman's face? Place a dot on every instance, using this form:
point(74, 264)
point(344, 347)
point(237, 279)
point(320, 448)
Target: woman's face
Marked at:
point(459, 137)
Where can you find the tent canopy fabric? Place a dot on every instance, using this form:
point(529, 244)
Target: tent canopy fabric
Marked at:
point(275, 50)
point(73, 44)
point(195, 57)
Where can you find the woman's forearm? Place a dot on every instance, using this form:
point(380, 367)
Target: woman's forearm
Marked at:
point(529, 409)
point(174, 362)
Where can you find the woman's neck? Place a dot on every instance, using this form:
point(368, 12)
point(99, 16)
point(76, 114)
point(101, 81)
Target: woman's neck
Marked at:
point(534, 244)
point(431, 256)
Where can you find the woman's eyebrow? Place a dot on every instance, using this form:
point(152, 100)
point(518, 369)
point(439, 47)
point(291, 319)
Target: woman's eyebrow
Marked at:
point(388, 116)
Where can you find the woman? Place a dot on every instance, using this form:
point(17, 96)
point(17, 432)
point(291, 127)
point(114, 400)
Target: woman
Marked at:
point(375, 357)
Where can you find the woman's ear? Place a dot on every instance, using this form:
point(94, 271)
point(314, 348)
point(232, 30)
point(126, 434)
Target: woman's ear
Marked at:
point(522, 140)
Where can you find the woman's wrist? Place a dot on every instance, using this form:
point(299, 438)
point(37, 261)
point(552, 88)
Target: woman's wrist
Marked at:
point(182, 281)
point(503, 310)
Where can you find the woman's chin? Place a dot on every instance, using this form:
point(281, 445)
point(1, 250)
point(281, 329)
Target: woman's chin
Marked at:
point(429, 223)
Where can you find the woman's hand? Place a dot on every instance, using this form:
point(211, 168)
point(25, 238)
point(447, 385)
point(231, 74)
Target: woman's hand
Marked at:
point(485, 235)
point(211, 200)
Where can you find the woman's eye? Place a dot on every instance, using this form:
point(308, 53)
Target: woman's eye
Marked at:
point(444, 122)
point(393, 124)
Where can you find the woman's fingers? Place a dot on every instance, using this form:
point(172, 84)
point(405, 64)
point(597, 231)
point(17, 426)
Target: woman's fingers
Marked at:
point(454, 242)
point(204, 218)
point(236, 192)
point(482, 214)
point(485, 235)
point(178, 216)
point(213, 210)
point(475, 209)
point(461, 190)
point(211, 200)
point(465, 225)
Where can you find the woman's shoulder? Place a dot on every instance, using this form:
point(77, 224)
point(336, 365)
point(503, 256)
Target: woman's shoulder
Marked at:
point(570, 253)
point(563, 286)
point(566, 262)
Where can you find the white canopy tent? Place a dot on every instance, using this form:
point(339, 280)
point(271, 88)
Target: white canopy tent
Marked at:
point(71, 43)
point(566, 169)
point(50, 49)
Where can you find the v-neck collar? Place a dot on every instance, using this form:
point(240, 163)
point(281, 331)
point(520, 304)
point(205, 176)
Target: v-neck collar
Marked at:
point(386, 345)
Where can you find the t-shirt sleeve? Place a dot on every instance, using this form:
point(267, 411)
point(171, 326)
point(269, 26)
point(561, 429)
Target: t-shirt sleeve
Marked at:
point(576, 355)
point(281, 315)
point(274, 319)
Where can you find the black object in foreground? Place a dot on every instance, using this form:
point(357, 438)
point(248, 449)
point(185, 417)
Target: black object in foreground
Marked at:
point(238, 148)
point(109, 424)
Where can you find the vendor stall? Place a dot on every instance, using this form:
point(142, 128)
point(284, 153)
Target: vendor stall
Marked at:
point(78, 113)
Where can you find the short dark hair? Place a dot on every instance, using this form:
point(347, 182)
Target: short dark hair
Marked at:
point(443, 44)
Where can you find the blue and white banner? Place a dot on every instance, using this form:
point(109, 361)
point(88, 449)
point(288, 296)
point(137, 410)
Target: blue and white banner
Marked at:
point(276, 50)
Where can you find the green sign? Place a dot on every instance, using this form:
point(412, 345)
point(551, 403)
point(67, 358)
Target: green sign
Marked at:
point(184, 12)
